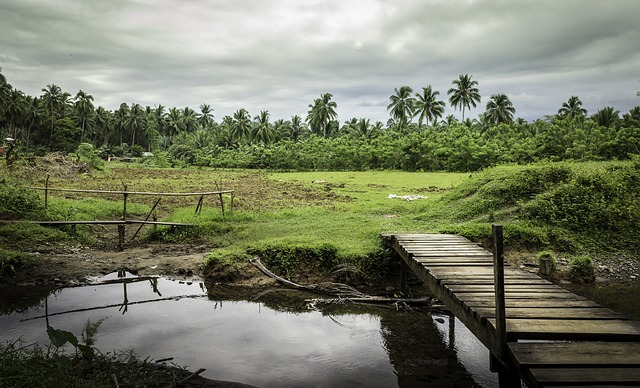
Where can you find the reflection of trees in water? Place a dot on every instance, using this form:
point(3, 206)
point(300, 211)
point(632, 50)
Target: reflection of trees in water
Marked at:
point(21, 299)
point(419, 354)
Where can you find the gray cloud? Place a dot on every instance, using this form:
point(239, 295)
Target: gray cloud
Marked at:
point(280, 55)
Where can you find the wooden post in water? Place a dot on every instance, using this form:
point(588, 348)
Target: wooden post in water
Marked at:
point(507, 376)
point(403, 277)
point(498, 280)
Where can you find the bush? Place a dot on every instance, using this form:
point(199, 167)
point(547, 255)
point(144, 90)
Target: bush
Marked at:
point(17, 202)
point(582, 269)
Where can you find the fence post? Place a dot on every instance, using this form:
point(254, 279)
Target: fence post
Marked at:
point(46, 192)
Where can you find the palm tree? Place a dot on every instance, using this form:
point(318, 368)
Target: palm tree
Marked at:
point(321, 113)
point(135, 122)
point(572, 108)
point(120, 120)
point(84, 110)
point(15, 107)
point(190, 119)
point(427, 105)
point(175, 123)
point(34, 116)
point(205, 117)
point(262, 131)
point(606, 117)
point(54, 100)
point(499, 110)
point(402, 105)
point(103, 123)
point(465, 94)
point(296, 128)
point(241, 126)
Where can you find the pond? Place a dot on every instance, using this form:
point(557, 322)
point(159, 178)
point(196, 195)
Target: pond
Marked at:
point(261, 343)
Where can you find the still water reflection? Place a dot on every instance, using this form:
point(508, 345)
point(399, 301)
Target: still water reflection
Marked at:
point(248, 341)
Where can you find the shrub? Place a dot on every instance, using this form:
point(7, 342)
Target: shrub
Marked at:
point(582, 269)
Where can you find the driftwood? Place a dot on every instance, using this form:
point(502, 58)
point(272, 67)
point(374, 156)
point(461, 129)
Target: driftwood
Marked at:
point(343, 292)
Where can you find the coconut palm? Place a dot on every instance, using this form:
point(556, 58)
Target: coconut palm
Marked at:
point(241, 125)
point(572, 108)
point(499, 110)
point(84, 110)
point(401, 105)
point(606, 117)
point(205, 117)
point(135, 121)
point(262, 131)
point(427, 106)
point(295, 128)
point(190, 119)
point(15, 107)
point(103, 123)
point(55, 103)
point(465, 94)
point(120, 117)
point(174, 123)
point(321, 113)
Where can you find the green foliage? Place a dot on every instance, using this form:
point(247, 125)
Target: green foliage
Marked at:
point(17, 202)
point(11, 261)
point(286, 259)
point(554, 205)
point(582, 269)
point(89, 155)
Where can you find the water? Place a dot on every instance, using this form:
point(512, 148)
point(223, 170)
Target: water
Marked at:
point(257, 343)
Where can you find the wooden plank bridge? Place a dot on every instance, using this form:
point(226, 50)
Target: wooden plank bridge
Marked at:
point(535, 331)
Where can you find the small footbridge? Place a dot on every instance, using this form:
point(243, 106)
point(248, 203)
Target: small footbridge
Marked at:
point(536, 331)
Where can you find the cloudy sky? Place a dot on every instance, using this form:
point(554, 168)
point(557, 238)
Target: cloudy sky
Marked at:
point(279, 55)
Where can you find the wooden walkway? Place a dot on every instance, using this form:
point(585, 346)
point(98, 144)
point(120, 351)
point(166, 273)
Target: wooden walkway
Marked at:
point(553, 337)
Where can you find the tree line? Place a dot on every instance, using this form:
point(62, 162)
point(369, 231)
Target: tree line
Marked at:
point(416, 136)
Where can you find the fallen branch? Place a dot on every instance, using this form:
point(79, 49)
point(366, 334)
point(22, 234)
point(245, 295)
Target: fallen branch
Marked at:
point(344, 293)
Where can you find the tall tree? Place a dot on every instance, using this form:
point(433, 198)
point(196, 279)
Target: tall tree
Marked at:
point(465, 94)
point(572, 108)
point(135, 122)
point(190, 119)
point(241, 126)
point(15, 107)
point(175, 123)
point(55, 104)
point(205, 117)
point(427, 105)
point(262, 131)
point(295, 128)
point(321, 113)
point(606, 117)
point(103, 124)
point(120, 121)
point(401, 105)
point(84, 110)
point(499, 110)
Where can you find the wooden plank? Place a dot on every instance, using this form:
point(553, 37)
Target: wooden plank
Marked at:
point(469, 296)
point(551, 313)
point(584, 354)
point(572, 330)
point(533, 303)
point(585, 376)
point(431, 253)
point(510, 287)
point(487, 281)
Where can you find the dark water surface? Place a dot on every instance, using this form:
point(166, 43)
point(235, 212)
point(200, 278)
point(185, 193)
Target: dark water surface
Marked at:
point(250, 342)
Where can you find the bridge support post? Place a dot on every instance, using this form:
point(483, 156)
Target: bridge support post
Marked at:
point(403, 277)
point(507, 376)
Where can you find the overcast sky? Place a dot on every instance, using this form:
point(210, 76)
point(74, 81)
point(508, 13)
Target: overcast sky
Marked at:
point(279, 55)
